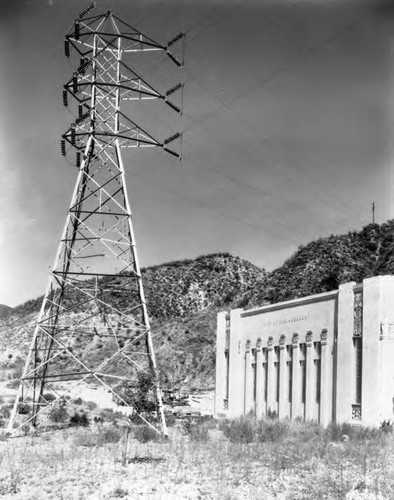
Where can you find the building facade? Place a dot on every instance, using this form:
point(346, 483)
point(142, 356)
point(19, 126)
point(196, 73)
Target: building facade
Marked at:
point(326, 357)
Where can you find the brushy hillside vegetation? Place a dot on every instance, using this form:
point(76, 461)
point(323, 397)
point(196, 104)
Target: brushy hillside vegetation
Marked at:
point(324, 264)
point(184, 296)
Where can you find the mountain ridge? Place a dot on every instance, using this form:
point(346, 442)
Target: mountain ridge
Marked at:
point(184, 296)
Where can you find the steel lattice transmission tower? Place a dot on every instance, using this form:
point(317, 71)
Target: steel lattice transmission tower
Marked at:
point(93, 324)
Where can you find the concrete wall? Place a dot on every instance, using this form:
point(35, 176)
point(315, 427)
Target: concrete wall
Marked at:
point(269, 337)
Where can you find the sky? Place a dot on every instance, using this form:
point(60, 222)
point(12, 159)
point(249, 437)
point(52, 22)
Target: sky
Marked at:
point(287, 130)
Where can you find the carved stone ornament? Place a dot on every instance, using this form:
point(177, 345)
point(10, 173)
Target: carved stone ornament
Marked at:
point(282, 341)
point(259, 343)
point(358, 314)
point(324, 337)
point(295, 340)
point(309, 338)
point(248, 344)
point(270, 342)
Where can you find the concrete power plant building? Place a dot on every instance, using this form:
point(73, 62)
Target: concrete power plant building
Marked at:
point(326, 357)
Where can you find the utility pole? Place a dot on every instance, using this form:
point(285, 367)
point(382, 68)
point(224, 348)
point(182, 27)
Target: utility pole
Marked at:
point(373, 213)
point(93, 325)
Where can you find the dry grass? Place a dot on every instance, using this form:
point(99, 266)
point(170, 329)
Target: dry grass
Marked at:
point(300, 462)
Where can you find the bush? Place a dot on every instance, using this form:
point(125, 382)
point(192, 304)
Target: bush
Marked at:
point(145, 433)
point(13, 384)
point(77, 401)
point(58, 414)
point(272, 431)
point(198, 428)
point(49, 397)
point(387, 427)
point(79, 419)
point(5, 411)
point(90, 439)
point(23, 409)
point(240, 430)
point(170, 418)
point(119, 493)
point(110, 435)
point(137, 393)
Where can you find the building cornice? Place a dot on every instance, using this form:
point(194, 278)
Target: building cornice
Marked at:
point(320, 297)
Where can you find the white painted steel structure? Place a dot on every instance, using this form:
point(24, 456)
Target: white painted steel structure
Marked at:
point(95, 295)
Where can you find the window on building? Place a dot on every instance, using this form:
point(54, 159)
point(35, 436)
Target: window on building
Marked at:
point(264, 373)
point(265, 369)
point(303, 371)
point(227, 368)
point(357, 356)
point(317, 380)
point(254, 371)
point(290, 381)
point(303, 380)
point(276, 372)
point(317, 367)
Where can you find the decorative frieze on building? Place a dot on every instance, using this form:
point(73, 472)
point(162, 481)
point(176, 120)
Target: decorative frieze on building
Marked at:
point(356, 412)
point(324, 337)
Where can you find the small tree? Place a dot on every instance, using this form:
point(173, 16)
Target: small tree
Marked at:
point(138, 393)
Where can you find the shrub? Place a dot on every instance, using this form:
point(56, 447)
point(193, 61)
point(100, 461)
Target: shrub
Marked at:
point(77, 401)
point(119, 493)
point(137, 393)
point(79, 419)
point(5, 411)
point(110, 435)
point(387, 426)
point(23, 409)
point(269, 430)
point(198, 428)
point(49, 397)
point(145, 433)
point(58, 414)
point(13, 384)
point(90, 439)
point(170, 418)
point(240, 430)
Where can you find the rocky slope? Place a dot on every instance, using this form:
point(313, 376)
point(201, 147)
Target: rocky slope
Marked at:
point(183, 298)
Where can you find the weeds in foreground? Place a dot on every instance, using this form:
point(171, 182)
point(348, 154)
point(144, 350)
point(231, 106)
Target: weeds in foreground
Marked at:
point(145, 433)
point(294, 460)
point(198, 428)
point(99, 438)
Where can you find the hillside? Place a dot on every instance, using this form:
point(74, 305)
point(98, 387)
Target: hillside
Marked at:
point(5, 311)
point(184, 296)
